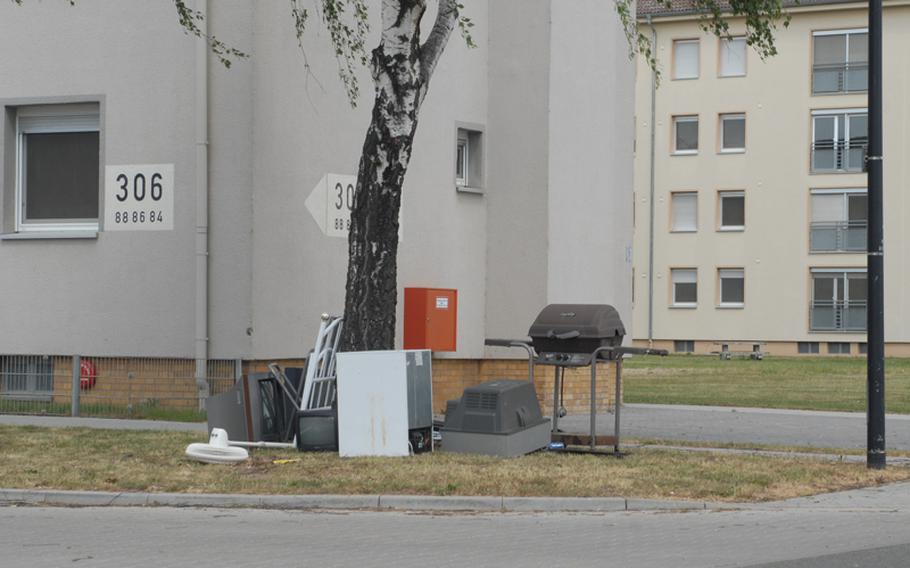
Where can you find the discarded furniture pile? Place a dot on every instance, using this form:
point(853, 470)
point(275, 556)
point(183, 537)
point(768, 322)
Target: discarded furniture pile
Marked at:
point(379, 403)
point(387, 408)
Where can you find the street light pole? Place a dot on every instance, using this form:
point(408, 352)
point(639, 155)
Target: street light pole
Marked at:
point(875, 352)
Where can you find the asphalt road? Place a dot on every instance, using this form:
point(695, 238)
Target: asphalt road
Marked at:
point(746, 425)
point(36, 537)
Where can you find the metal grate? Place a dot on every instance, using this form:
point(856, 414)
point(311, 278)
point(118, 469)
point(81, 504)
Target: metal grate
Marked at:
point(27, 377)
point(119, 387)
point(481, 400)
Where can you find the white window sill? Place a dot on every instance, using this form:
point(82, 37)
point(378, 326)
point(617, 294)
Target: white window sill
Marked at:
point(685, 153)
point(731, 229)
point(683, 306)
point(683, 230)
point(685, 78)
point(39, 235)
point(468, 189)
point(732, 151)
point(731, 76)
point(730, 306)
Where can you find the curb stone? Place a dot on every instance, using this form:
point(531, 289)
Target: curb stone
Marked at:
point(348, 502)
point(440, 503)
point(556, 504)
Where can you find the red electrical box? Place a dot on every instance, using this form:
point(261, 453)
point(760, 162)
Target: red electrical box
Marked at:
point(430, 318)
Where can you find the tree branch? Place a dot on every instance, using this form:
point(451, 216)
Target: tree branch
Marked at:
point(431, 50)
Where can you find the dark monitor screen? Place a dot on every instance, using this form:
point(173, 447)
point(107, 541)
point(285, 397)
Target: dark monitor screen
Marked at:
point(316, 430)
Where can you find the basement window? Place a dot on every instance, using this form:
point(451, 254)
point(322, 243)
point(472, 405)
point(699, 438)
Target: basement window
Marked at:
point(683, 346)
point(807, 347)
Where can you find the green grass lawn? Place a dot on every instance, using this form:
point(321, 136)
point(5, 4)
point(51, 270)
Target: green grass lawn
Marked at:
point(810, 383)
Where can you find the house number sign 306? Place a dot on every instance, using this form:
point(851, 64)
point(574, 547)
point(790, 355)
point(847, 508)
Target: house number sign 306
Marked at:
point(139, 198)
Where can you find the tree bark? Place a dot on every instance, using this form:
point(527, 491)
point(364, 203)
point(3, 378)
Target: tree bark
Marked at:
point(401, 70)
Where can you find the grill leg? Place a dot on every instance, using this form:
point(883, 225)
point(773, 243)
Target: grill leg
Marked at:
point(556, 380)
point(618, 397)
point(593, 403)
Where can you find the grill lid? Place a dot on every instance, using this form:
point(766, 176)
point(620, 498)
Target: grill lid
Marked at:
point(568, 334)
point(577, 321)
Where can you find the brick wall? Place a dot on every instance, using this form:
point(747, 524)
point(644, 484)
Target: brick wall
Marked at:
point(452, 376)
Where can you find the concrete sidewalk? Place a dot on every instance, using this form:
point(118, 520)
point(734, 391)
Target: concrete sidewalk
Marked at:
point(104, 423)
point(894, 498)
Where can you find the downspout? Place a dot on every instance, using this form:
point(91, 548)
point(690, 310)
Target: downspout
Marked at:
point(202, 205)
point(651, 191)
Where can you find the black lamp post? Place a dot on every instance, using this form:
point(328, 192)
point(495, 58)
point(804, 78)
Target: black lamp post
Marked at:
point(875, 352)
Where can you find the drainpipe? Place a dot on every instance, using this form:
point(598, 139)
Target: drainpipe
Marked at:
point(651, 192)
point(202, 206)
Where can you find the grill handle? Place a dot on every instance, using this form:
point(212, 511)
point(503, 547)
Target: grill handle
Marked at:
point(565, 335)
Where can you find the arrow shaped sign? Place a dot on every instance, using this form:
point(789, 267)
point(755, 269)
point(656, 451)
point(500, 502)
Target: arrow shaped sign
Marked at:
point(330, 204)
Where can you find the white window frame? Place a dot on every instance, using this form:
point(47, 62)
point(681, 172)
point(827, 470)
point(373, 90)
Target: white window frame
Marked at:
point(697, 43)
point(685, 118)
point(40, 119)
point(730, 273)
point(724, 42)
point(732, 116)
point(673, 196)
point(463, 145)
point(679, 271)
point(838, 138)
point(847, 33)
point(721, 195)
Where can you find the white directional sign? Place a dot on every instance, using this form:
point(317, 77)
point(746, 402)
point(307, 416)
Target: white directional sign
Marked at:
point(139, 198)
point(330, 204)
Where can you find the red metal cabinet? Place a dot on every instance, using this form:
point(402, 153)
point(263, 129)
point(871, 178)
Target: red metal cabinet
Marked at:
point(430, 318)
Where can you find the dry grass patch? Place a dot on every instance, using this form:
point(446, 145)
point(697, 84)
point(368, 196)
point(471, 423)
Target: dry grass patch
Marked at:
point(108, 460)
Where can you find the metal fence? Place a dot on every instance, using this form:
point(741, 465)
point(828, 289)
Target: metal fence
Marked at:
point(116, 387)
point(837, 236)
point(837, 316)
point(852, 77)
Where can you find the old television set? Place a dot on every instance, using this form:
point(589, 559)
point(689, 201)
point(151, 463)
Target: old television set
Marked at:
point(317, 430)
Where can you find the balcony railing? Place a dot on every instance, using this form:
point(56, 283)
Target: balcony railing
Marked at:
point(840, 78)
point(840, 236)
point(837, 316)
point(838, 155)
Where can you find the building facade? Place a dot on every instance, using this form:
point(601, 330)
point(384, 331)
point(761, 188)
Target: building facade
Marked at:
point(750, 191)
point(157, 204)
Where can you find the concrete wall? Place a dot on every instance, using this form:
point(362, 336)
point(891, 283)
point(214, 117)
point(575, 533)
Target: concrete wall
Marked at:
point(774, 173)
point(125, 292)
point(305, 128)
point(590, 157)
point(548, 85)
point(518, 169)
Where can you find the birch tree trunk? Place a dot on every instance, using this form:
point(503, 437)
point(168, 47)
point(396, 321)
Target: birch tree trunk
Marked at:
point(401, 69)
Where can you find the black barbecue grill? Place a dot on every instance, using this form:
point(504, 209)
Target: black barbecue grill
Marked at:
point(577, 335)
point(567, 335)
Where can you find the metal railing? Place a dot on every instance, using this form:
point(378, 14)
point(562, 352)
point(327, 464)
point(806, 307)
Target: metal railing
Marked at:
point(830, 315)
point(116, 387)
point(848, 77)
point(838, 155)
point(838, 236)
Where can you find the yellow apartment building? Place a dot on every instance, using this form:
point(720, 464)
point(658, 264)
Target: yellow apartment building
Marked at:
point(750, 195)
